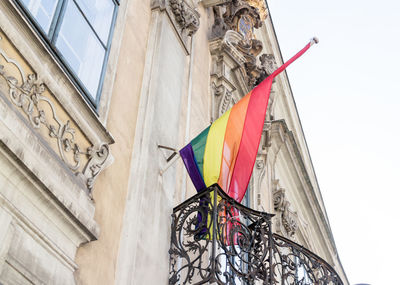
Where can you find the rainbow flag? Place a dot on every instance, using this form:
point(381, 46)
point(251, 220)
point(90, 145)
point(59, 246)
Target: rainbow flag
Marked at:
point(225, 152)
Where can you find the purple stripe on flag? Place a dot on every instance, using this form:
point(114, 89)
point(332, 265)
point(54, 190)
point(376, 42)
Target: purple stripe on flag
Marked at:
point(187, 156)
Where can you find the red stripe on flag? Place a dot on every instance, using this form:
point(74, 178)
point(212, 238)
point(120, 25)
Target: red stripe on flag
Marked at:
point(251, 136)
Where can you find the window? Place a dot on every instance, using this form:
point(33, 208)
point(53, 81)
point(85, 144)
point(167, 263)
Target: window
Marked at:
point(79, 33)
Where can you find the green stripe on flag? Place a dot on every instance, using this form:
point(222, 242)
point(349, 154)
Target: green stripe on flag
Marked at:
point(198, 146)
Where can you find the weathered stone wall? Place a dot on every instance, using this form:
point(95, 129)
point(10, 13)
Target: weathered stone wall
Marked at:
point(151, 194)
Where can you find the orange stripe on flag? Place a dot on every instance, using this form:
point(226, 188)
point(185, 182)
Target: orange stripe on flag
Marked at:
point(232, 139)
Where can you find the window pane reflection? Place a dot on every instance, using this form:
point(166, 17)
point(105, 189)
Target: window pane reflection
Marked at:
point(99, 13)
point(81, 48)
point(42, 11)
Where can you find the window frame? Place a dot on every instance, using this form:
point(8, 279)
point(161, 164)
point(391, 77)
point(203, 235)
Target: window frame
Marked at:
point(49, 40)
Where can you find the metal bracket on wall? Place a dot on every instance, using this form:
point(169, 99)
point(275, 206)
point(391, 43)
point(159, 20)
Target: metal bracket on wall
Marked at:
point(170, 159)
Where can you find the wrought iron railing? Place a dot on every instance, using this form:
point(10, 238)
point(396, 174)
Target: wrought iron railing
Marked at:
point(214, 239)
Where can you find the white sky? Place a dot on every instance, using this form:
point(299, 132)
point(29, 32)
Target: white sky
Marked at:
point(347, 90)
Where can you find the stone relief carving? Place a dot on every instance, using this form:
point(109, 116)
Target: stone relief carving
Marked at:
point(287, 220)
point(259, 174)
point(237, 65)
point(267, 67)
point(98, 157)
point(267, 129)
point(242, 17)
point(268, 63)
point(226, 100)
point(232, 13)
point(187, 19)
point(260, 6)
point(260, 164)
point(27, 94)
point(186, 16)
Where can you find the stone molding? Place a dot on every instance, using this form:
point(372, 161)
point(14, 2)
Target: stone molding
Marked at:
point(27, 95)
point(225, 96)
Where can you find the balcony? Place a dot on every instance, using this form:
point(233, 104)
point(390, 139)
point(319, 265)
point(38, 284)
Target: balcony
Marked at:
point(216, 240)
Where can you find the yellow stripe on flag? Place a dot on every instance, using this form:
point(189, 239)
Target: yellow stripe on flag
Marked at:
point(213, 150)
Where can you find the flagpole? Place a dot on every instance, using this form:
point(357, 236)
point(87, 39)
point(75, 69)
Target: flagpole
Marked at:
point(314, 40)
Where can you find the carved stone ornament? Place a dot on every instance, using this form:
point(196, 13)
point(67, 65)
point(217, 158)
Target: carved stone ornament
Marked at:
point(242, 17)
point(260, 164)
point(185, 19)
point(267, 67)
point(267, 128)
point(226, 100)
point(260, 6)
point(41, 112)
point(287, 220)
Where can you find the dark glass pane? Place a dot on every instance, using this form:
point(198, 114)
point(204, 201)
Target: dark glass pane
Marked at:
point(80, 47)
point(99, 13)
point(42, 11)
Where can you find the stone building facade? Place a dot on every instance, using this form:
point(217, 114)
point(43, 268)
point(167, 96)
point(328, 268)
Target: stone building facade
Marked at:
point(95, 96)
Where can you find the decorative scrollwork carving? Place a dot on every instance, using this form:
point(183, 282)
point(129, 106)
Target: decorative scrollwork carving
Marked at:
point(226, 100)
point(268, 66)
point(97, 159)
point(279, 199)
point(260, 6)
point(260, 164)
point(286, 217)
point(242, 17)
point(28, 94)
point(223, 99)
point(215, 240)
point(187, 17)
point(267, 129)
point(268, 63)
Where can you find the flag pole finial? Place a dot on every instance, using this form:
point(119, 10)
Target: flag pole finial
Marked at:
point(314, 40)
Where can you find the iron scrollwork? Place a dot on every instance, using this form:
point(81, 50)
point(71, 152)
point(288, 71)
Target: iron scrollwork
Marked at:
point(294, 264)
point(216, 239)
